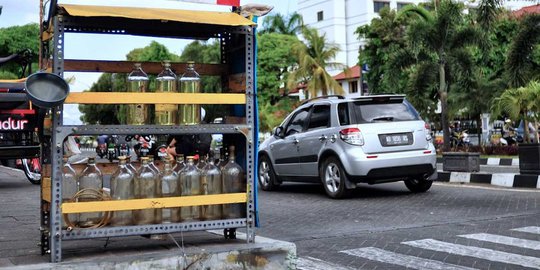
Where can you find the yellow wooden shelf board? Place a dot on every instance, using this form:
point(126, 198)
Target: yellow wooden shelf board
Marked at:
point(154, 98)
point(153, 203)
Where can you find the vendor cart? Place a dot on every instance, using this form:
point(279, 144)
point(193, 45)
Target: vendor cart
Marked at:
point(237, 73)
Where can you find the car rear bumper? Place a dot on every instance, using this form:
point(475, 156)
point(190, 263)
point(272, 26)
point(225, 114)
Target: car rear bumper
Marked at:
point(390, 165)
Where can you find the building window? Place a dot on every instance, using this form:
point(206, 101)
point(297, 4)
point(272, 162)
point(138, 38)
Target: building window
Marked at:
point(401, 5)
point(320, 16)
point(378, 5)
point(353, 87)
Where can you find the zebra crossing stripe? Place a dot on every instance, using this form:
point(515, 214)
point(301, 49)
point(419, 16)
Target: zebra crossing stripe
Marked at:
point(505, 240)
point(381, 255)
point(477, 252)
point(310, 263)
point(530, 229)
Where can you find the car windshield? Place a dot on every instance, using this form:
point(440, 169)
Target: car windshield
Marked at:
point(373, 111)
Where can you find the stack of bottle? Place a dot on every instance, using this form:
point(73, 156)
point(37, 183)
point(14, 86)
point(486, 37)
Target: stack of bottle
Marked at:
point(167, 82)
point(186, 178)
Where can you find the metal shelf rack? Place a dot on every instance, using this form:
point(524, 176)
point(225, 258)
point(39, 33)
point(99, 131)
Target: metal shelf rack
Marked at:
point(236, 35)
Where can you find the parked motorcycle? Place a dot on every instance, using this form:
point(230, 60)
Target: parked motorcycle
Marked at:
point(460, 139)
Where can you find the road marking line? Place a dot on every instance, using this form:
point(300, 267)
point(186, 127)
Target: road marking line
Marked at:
point(505, 240)
point(310, 263)
point(481, 253)
point(381, 255)
point(530, 229)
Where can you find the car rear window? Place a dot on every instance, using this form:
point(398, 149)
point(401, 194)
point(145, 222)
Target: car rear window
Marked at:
point(384, 110)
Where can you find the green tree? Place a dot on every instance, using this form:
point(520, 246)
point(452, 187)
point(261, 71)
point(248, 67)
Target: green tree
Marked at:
point(384, 37)
point(114, 114)
point(280, 24)
point(521, 103)
point(313, 57)
point(441, 39)
point(523, 60)
point(103, 114)
point(273, 63)
point(16, 39)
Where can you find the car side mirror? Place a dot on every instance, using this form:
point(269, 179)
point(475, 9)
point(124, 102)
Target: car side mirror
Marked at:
point(278, 131)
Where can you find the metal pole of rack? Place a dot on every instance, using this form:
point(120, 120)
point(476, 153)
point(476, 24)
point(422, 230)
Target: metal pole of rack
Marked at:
point(55, 221)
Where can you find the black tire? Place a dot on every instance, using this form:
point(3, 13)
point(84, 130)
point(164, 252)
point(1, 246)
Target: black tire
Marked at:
point(333, 178)
point(268, 180)
point(33, 176)
point(418, 184)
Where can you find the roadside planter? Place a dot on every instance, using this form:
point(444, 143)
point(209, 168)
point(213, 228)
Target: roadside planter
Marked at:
point(461, 161)
point(529, 158)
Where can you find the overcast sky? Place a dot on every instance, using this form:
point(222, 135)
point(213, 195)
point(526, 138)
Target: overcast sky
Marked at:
point(110, 47)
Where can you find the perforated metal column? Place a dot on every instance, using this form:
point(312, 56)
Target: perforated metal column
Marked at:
point(56, 150)
point(250, 143)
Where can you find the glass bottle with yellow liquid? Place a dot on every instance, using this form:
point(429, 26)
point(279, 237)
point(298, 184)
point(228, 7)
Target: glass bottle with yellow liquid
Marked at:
point(190, 82)
point(166, 114)
point(137, 83)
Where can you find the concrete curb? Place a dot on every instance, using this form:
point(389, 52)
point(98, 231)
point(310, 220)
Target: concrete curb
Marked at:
point(265, 253)
point(496, 179)
point(493, 161)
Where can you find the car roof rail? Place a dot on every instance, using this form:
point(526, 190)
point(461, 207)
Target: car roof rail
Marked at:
point(321, 97)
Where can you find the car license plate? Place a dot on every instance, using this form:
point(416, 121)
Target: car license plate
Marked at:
point(396, 139)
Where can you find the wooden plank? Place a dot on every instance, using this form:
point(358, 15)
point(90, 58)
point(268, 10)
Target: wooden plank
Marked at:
point(46, 189)
point(155, 68)
point(153, 203)
point(153, 98)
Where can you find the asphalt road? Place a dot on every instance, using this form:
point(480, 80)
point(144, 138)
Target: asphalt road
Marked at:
point(380, 227)
point(386, 227)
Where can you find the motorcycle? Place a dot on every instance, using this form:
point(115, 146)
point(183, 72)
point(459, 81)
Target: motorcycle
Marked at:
point(144, 146)
point(460, 139)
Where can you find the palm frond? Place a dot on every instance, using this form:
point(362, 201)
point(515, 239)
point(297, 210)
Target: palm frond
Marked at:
point(518, 61)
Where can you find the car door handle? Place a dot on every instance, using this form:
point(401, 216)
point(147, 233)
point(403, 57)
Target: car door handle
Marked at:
point(323, 138)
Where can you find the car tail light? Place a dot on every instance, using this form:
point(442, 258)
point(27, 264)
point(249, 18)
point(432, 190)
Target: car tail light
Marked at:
point(427, 128)
point(352, 136)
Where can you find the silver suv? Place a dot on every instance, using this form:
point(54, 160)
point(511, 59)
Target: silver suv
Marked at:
point(342, 142)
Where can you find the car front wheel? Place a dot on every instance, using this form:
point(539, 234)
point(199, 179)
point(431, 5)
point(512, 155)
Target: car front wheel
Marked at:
point(333, 178)
point(267, 177)
point(418, 184)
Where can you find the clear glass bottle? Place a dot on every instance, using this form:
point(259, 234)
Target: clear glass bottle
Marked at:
point(211, 181)
point(154, 166)
point(170, 188)
point(190, 178)
point(90, 179)
point(131, 166)
point(201, 163)
point(147, 186)
point(166, 114)
point(190, 82)
point(180, 164)
point(69, 188)
point(138, 83)
point(223, 158)
point(233, 182)
point(122, 188)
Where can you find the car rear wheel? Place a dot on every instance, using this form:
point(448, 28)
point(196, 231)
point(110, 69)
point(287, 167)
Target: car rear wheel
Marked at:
point(333, 178)
point(267, 177)
point(418, 184)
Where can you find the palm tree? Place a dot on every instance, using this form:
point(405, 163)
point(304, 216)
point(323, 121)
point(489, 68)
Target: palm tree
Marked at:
point(313, 59)
point(521, 103)
point(439, 40)
point(282, 25)
point(521, 67)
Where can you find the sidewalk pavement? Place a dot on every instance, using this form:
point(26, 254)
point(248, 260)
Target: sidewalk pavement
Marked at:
point(20, 236)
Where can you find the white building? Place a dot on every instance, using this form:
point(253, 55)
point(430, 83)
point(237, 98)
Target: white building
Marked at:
point(339, 19)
